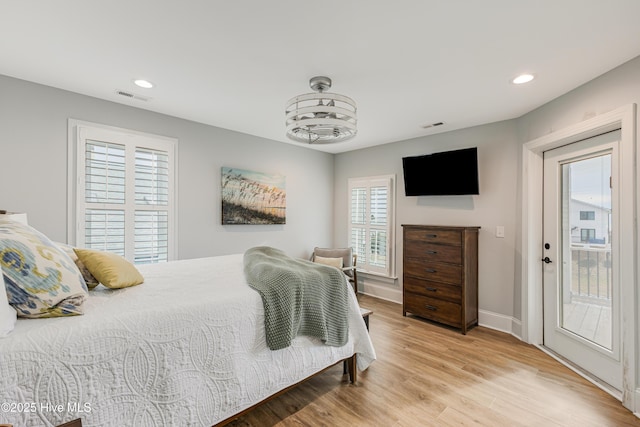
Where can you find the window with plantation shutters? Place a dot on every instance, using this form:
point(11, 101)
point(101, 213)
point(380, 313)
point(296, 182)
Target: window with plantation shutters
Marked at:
point(152, 200)
point(124, 187)
point(371, 213)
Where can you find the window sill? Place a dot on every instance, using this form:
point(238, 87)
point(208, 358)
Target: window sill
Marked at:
point(378, 276)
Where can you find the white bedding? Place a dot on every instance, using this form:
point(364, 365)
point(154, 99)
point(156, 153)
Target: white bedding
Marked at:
point(186, 348)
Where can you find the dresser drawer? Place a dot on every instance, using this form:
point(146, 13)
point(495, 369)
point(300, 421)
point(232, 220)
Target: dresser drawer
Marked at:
point(434, 235)
point(434, 271)
point(432, 289)
point(434, 309)
point(434, 252)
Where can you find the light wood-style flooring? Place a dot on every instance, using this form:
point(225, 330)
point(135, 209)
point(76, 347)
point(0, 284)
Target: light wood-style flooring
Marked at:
point(429, 375)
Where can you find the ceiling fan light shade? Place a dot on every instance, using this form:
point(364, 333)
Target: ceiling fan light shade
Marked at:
point(321, 117)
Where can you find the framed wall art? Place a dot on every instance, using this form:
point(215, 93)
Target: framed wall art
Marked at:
point(250, 197)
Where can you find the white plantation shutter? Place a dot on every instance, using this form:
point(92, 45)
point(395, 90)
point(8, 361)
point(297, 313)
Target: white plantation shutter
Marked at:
point(378, 226)
point(124, 193)
point(104, 172)
point(104, 230)
point(358, 210)
point(151, 237)
point(152, 191)
point(104, 179)
point(371, 212)
point(152, 177)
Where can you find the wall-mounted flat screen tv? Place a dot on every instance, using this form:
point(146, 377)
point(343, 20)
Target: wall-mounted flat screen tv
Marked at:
point(442, 174)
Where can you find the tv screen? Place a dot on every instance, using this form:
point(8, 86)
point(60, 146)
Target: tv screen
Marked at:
point(442, 174)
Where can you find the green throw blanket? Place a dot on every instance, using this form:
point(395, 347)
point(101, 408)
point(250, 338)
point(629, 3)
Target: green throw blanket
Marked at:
point(299, 297)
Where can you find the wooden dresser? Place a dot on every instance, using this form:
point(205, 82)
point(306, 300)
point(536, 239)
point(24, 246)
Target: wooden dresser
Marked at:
point(440, 274)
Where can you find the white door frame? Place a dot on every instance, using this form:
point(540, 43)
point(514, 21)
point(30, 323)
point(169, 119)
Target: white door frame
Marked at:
point(531, 278)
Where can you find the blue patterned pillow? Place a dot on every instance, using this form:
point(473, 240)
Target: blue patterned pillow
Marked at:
point(41, 280)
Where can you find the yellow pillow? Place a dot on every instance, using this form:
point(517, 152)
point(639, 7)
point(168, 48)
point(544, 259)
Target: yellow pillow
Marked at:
point(112, 270)
point(333, 262)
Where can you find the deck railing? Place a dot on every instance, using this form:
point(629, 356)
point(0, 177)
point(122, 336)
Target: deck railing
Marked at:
point(591, 272)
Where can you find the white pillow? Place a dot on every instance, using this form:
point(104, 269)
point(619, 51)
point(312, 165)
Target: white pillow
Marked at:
point(7, 313)
point(333, 262)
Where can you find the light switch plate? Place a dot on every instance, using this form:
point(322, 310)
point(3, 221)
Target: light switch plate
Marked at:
point(500, 231)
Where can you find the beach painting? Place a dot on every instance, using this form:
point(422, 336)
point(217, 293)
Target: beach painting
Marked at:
point(250, 197)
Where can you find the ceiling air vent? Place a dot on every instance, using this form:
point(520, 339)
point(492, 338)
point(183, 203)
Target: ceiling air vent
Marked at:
point(432, 125)
point(131, 95)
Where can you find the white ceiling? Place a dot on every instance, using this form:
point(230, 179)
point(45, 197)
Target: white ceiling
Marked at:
point(234, 64)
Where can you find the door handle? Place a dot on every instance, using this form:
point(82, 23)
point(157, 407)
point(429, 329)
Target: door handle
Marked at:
point(546, 260)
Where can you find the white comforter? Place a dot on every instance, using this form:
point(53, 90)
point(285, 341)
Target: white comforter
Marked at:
point(186, 348)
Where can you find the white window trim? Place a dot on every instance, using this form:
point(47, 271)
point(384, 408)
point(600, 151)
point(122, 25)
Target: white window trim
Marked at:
point(391, 215)
point(169, 144)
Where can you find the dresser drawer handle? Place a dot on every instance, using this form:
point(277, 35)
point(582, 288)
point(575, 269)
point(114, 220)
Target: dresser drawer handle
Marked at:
point(432, 252)
point(429, 270)
point(432, 236)
point(431, 289)
point(430, 307)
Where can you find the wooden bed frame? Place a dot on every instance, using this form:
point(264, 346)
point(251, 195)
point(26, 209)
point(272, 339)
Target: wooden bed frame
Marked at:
point(74, 423)
point(352, 370)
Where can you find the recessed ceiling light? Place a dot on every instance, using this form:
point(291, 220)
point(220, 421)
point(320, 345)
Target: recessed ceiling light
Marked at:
point(143, 83)
point(523, 78)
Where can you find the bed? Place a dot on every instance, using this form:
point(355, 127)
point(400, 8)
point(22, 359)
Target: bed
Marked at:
point(185, 348)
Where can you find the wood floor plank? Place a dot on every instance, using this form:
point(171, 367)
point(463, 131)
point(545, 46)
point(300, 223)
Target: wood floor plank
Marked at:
point(429, 375)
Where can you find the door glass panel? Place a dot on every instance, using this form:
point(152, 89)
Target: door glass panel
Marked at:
point(587, 275)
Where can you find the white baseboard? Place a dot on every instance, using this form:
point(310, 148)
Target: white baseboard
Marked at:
point(370, 286)
point(496, 321)
point(500, 322)
point(516, 328)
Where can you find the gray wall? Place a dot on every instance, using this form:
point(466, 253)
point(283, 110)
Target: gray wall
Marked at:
point(500, 170)
point(495, 206)
point(33, 171)
point(614, 89)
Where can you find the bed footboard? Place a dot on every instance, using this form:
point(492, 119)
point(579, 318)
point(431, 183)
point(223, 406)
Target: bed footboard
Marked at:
point(352, 370)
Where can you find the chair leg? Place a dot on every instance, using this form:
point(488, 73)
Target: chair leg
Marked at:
point(355, 281)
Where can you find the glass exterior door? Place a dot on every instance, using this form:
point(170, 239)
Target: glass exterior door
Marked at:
point(587, 274)
point(581, 297)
